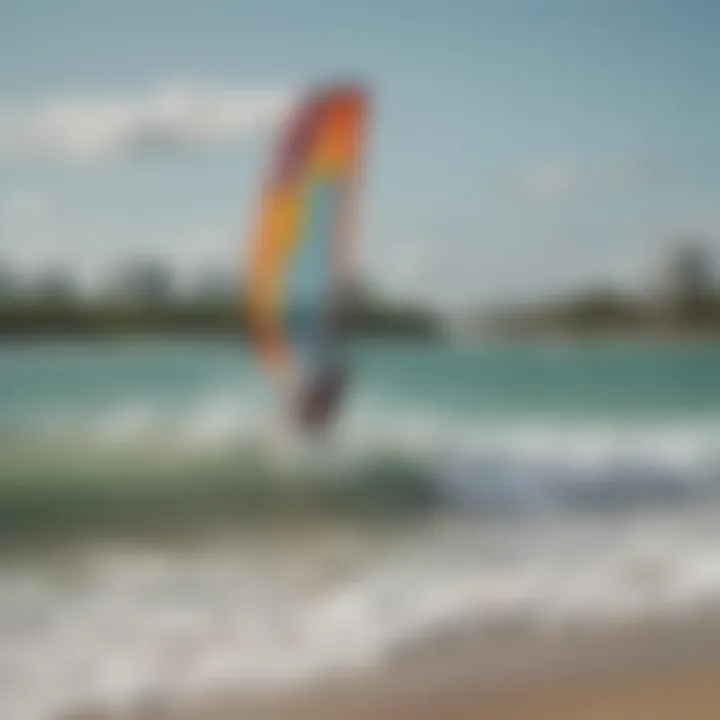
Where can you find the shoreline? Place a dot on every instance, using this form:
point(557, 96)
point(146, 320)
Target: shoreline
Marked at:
point(659, 669)
point(495, 341)
point(177, 337)
point(629, 336)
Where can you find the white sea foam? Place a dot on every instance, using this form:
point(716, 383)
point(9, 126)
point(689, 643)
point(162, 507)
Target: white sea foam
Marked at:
point(462, 454)
point(124, 627)
point(117, 628)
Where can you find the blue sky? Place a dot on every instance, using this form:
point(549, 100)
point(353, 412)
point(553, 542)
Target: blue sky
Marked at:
point(518, 146)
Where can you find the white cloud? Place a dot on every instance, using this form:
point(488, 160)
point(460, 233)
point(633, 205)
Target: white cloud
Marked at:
point(171, 117)
point(24, 204)
point(554, 181)
point(548, 181)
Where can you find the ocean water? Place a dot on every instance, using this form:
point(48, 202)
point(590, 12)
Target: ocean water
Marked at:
point(162, 536)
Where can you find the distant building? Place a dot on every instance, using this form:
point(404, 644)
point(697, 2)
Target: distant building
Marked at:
point(215, 285)
point(54, 285)
point(686, 275)
point(460, 325)
point(8, 284)
point(143, 281)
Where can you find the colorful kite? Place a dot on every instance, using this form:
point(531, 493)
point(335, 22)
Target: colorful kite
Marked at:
point(300, 265)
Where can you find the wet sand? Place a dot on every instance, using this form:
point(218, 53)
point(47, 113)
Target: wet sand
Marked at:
point(691, 693)
point(656, 671)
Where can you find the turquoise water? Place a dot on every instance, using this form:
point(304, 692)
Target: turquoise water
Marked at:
point(150, 500)
point(588, 380)
point(583, 380)
point(149, 434)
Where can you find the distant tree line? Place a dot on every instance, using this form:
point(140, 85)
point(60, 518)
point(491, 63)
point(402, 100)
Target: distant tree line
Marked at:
point(210, 317)
point(605, 311)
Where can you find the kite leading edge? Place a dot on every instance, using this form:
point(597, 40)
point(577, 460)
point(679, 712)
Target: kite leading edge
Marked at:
point(300, 267)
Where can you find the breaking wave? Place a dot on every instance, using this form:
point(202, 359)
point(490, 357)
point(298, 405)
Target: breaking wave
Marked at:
point(147, 467)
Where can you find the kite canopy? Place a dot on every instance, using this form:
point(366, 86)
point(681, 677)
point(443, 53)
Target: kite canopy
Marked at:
point(300, 251)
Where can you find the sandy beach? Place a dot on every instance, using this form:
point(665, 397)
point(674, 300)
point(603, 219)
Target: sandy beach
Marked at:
point(658, 670)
